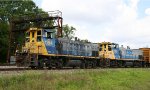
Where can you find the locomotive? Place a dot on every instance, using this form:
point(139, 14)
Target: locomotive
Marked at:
point(45, 47)
point(42, 48)
point(120, 56)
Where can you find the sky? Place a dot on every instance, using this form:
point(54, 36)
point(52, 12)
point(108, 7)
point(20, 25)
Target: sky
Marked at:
point(126, 22)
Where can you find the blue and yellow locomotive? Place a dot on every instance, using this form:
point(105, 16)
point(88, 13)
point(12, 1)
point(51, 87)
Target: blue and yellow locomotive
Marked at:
point(43, 48)
point(120, 56)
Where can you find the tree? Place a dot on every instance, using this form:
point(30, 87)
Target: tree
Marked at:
point(68, 31)
point(13, 9)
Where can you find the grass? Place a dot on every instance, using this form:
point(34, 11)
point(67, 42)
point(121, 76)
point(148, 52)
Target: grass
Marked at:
point(88, 79)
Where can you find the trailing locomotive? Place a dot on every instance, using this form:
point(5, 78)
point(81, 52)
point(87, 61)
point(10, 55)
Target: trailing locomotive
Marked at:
point(120, 56)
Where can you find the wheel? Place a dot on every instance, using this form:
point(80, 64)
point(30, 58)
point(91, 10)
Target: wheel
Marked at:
point(119, 63)
point(94, 65)
point(40, 64)
point(49, 66)
point(107, 62)
point(73, 67)
point(59, 65)
point(82, 65)
point(32, 67)
point(86, 65)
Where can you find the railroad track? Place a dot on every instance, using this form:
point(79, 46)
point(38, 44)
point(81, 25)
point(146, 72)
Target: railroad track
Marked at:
point(10, 68)
point(15, 68)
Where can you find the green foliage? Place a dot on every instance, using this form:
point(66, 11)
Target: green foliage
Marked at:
point(3, 40)
point(88, 79)
point(68, 31)
point(3, 34)
point(13, 10)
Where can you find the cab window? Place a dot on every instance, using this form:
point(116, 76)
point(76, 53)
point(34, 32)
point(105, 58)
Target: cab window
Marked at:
point(117, 46)
point(32, 34)
point(39, 32)
point(39, 36)
point(33, 38)
point(27, 36)
point(104, 45)
point(109, 48)
point(49, 35)
point(100, 48)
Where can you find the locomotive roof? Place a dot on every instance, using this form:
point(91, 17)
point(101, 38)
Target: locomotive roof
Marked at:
point(108, 43)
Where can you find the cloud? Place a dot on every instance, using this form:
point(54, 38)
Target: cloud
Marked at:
point(147, 11)
point(105, 20)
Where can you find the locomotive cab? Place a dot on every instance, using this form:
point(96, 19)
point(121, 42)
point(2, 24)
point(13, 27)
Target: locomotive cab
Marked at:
point(39, 41)
point(109, 50)
point(33, 41)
